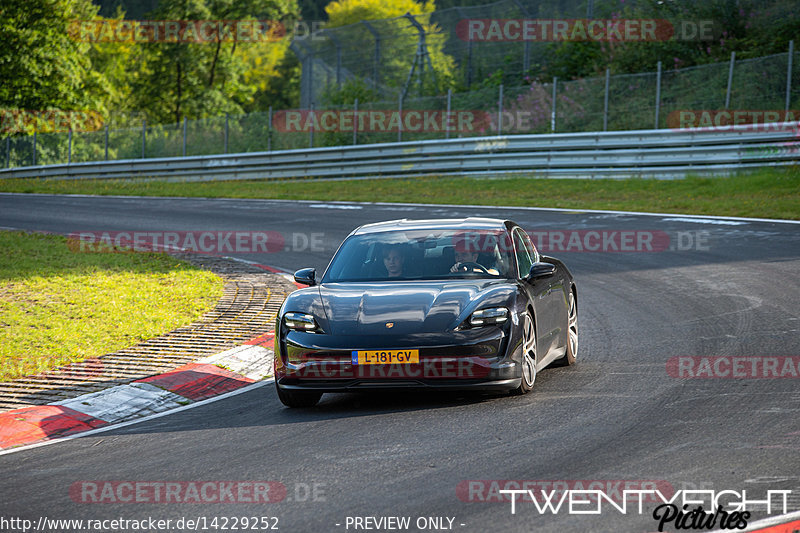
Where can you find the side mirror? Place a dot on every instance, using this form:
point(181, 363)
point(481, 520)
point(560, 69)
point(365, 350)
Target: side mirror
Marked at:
point(306, 276)
point(541, 270)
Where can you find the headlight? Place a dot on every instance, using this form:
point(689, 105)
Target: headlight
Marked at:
point(300, 322)
point(485, 317)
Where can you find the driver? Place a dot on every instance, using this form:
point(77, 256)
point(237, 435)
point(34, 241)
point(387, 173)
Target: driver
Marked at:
point(463, 260)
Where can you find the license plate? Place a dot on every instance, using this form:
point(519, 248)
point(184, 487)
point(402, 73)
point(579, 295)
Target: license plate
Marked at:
point(385, 357)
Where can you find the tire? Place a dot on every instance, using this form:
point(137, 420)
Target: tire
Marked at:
point(572, 331)
point(297, 398)
point(528, 362)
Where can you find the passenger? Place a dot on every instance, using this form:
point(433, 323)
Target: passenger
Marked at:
point(393, 260)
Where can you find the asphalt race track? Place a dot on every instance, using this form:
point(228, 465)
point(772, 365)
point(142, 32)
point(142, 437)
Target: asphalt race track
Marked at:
point(715, 288)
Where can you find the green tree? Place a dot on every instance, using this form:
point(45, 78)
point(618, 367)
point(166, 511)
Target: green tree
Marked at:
point(201, 79)
point(400, 45)
point(41, 65)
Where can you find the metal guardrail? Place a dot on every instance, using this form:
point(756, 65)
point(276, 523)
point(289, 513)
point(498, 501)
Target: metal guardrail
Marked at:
point(642, 153)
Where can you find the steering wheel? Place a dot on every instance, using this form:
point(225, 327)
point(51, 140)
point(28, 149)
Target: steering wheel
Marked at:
point(467, 266)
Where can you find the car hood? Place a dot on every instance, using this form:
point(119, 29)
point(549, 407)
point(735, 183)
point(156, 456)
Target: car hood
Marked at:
point(399, 308)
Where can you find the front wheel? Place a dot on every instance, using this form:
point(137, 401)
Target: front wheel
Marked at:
point(572, 331)
point(528, 361)
point(298, 398)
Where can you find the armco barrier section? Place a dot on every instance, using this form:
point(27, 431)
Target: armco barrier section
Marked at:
point(641, 153)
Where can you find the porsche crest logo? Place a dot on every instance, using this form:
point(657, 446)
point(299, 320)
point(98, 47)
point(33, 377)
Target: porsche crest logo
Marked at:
point(390, 325)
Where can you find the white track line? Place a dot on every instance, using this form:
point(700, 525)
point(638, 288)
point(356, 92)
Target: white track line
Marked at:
point(103, 429)
point(470, 206)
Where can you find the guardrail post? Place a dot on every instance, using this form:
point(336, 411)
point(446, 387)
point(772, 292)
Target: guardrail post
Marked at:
point(789, 76)
point(106, 142)
point(184, 136)
point(605, 100)
point(447, 119)
point(355, 122)
point(500, 111)
point(311, 130)
point(658, 94)
point(34, 148)
point(400, 117)
point(144, 135)
point(553, 113)
point(226, 133)
point(269, 130)
point(730, 81)
point(69, 147)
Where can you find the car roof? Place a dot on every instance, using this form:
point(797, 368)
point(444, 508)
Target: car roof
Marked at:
point(470, 223)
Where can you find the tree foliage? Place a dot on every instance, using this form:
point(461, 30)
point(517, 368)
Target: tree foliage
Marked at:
point(41, 65)
point(401, 40)
point(196, 80)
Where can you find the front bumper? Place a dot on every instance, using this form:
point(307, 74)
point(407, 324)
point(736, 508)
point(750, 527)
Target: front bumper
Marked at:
point(481, 359)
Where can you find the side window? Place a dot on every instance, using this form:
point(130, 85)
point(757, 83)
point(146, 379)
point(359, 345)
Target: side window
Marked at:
point(532, 251)
point(524, 261)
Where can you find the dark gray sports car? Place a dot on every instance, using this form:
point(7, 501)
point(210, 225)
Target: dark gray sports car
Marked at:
point(442, 304)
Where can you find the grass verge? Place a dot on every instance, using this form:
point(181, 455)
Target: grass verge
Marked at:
point(769, 192)
point(58, 306)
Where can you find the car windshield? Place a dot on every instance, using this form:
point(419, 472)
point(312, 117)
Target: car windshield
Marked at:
point(423, 254)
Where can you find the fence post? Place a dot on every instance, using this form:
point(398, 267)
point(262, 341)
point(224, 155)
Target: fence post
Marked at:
point(226, 132)
point(269, 130)
point(106, 142)
point(144, 135)
point(184, 136)
point(500, 111)
point(400, 117)
point(658, 94)
point(730, 81)
point(311, 129)
point(8, 152)
point(69, 147)
point(376, 63)
point(789, 76)
point(526, 48)
point(469, 63)
point(605, 100)
point(553, 113)
point(355, 122)
point(447, 120)
point(34, 148)
point(377, 59)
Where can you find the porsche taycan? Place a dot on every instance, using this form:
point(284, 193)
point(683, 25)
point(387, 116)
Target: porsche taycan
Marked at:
point(426, 304)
